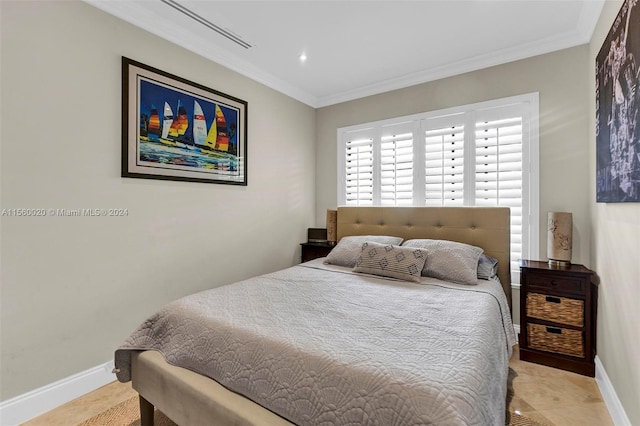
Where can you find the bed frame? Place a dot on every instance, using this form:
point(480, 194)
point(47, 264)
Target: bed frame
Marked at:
point(189, 398)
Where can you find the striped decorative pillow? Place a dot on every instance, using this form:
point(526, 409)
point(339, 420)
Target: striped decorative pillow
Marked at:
point(391, 261)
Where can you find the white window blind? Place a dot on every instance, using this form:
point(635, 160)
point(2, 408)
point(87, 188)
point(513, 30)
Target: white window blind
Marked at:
point(475, 155)
point(396, 165)
point(498, 172)
point(444, 163)
point(359, 168)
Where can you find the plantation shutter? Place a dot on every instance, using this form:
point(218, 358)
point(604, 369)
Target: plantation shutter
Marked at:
point(498, 177)
point(483, 154)
point(396, 164)
point(359, 168)
point(444, 161)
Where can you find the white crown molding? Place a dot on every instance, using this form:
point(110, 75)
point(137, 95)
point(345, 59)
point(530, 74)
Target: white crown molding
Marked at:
point(610, 397)
point(36, 402)
point(581, 35)
point(138, 14)
point(539, 47)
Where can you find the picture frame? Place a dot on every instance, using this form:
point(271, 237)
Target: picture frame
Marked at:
point(176, 129)
point(618, 109)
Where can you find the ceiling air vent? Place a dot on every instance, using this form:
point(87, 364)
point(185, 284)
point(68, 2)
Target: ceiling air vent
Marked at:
point(222, 31)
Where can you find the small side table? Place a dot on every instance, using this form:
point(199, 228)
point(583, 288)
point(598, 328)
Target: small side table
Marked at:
point(314, 250)
point(558, 316)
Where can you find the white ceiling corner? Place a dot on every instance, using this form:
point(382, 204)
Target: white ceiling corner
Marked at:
point(361, 48)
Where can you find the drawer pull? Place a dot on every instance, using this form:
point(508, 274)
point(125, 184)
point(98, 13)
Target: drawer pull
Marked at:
point(552, 299)
point(554, 330)
point(554, 283)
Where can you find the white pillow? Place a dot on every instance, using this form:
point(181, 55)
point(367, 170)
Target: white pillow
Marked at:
point(449, 260)
point(387, 260)
point(348, 249)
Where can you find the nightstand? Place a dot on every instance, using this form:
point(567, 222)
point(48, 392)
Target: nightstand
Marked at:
point(312, 251)
point(558, 316)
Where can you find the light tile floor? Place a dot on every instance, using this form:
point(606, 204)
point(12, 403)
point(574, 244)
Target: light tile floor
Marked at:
point(556, 397)
point(548, 395)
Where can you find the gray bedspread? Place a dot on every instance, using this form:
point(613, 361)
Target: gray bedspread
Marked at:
point(320, 345)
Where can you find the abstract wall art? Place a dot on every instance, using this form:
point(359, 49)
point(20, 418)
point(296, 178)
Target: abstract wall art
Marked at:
point(618, 109)
point(175, 129)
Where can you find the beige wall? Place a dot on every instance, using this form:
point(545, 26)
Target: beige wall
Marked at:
point(74, 287)
point(560, 80)
point(615, 254)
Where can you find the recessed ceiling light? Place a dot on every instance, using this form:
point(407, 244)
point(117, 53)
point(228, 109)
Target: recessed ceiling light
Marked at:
point(303, 57)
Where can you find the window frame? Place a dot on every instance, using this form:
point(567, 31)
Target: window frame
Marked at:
point(529, 104)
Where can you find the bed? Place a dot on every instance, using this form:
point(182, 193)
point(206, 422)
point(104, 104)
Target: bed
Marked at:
point(321, 344)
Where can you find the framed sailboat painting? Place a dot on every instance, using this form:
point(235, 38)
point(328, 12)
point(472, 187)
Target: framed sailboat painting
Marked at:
point(175, 129)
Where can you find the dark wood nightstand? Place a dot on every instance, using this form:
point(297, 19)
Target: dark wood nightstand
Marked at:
point(558, 316)
point(312, 251)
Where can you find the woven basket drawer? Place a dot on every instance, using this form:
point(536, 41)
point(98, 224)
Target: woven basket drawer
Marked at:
point(555, 309)
point(554, 339)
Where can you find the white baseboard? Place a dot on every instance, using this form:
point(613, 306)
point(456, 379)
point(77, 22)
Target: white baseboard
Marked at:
point(616, 410)
point(32, 404)
point(36, 402)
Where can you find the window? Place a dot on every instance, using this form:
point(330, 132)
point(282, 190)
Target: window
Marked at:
point(484, 154)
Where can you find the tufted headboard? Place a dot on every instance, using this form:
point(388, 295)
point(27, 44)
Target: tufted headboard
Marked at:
point(486, 227)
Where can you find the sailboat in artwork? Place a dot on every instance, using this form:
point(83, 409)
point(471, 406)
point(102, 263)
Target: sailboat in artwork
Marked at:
point(222, 141)
point(199, 124)
point(218, 137)
point(180, 124)
point(167, 121)
point(153, 130)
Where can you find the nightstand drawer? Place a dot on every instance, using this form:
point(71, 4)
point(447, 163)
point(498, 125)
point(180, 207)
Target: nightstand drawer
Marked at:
point(556, 340)
point(556, 283)
point(556, 309)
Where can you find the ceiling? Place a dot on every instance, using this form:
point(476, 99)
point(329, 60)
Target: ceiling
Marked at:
point(357, 48)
